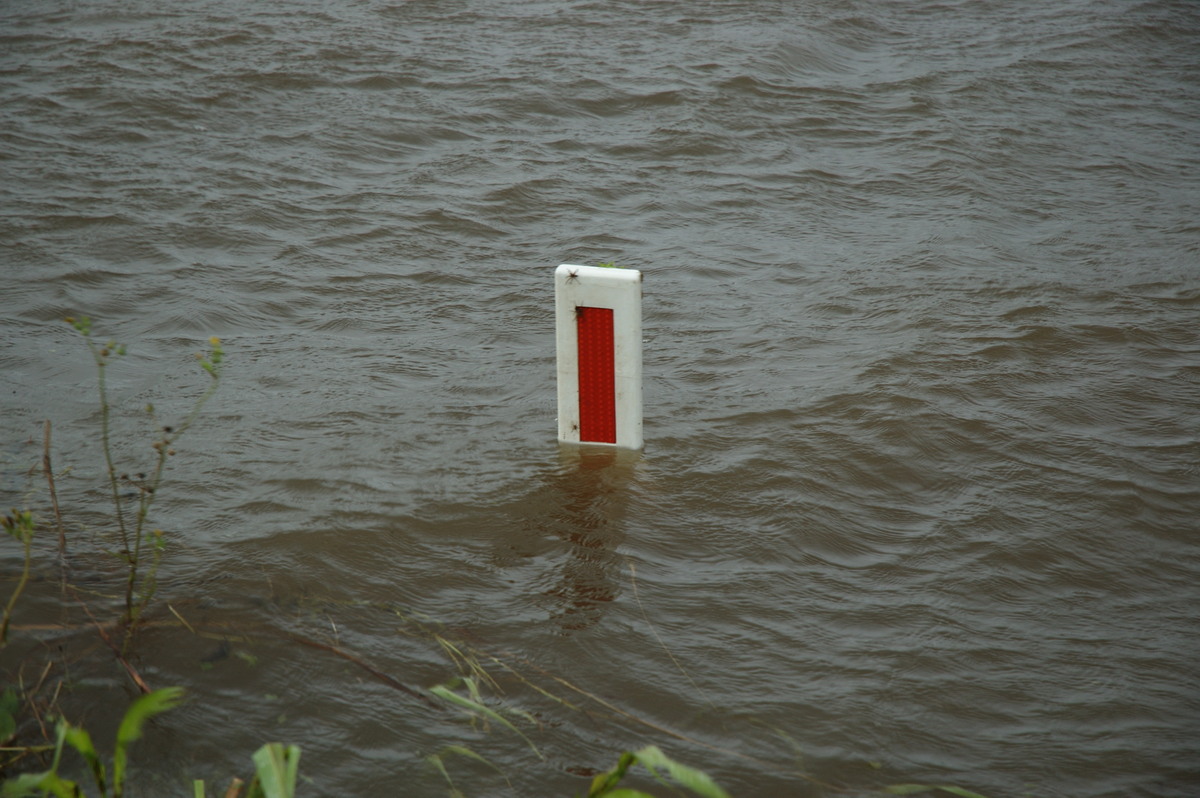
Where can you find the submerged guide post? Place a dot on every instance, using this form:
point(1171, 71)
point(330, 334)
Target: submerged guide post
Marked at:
point(598, 323)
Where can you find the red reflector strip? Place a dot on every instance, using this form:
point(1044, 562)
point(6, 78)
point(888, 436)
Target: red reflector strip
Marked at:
point(597, 378)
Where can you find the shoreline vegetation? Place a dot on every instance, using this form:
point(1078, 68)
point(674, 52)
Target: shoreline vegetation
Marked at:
point(42, 752)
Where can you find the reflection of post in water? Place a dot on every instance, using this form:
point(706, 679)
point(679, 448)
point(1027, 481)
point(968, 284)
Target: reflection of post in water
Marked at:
point(588, 513)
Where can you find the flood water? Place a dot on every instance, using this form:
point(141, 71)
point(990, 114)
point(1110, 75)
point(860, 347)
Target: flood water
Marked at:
point(921, 487)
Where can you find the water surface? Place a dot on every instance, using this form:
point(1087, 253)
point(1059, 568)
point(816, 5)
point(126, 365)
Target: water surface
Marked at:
point(919, 495)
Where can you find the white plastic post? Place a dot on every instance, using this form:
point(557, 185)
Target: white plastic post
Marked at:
point(598, 326)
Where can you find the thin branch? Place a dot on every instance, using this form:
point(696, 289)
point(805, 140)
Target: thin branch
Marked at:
point(371, 669)
point(46, 467)
point(129, 669)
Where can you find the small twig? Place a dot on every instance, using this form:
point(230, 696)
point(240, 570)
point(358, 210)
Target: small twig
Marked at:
point(42, 679)
point(132, 671)
point(633, 581)
point(182, 620)
point(37, 716)
point(371, 669)
point(619, 714)
point(62, 531)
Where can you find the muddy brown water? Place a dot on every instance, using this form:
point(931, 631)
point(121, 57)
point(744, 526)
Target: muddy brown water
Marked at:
point(919, 498)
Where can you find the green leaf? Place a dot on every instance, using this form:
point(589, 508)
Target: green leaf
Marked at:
point(198, 788)
point(436, 761)
point(462, 750)
point(23, 785)
point(695, 780)
point(277, 768)
point(130, 730)
point(10, 705)
point(78, 738)
point(473, 689)
point(445, 693)
point(604, 783)
point(40, 784)
point(81, 741)
point(47, 781)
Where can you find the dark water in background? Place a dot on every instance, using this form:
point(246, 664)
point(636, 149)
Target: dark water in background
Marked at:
point(922, 476)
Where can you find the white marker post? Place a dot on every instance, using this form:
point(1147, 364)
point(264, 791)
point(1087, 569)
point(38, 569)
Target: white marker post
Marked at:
point(599, 332)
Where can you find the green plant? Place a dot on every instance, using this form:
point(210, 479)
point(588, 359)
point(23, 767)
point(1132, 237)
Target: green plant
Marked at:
point(10, 705)
point(438, 761)
point(276, 765)
point(276, 769)
point(20, 525)
point(108, 782)
point(474, 705)
point(135, 534)
point(654, 760)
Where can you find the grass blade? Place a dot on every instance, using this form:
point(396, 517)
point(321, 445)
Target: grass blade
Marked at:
point(446, 694)
point(31, 784)
point(695, 780)
point(81, 741)
point(130, 730)
point(277, 768)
